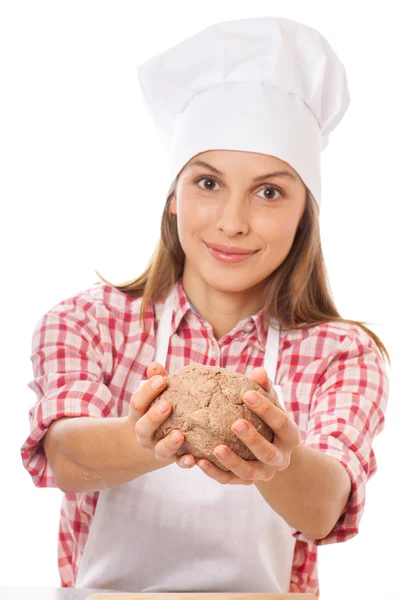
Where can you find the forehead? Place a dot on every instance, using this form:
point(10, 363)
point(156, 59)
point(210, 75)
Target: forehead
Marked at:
point(253, 162)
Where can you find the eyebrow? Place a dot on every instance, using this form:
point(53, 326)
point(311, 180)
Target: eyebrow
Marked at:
point(284, 173)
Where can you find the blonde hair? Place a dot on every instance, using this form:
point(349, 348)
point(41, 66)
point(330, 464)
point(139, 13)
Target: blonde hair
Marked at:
point(297, 293)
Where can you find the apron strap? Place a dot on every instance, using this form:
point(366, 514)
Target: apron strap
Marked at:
point(272, 349)
point(165, 328)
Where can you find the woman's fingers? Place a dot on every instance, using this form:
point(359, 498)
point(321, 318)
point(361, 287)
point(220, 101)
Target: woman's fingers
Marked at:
point(285, 429)
point(168, 446)
point(145, 395)
point(259, 375)
point(152, 419)
point(186, 461)
point(156, 368)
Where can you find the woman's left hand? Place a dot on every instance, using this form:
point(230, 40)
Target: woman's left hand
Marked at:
point(271, 457)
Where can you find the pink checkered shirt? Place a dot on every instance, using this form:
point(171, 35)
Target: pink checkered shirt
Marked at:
point(89, 353)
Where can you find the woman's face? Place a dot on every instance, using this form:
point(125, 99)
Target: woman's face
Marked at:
point(242, 205)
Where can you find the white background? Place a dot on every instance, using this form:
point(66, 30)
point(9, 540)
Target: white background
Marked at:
point(82, 186)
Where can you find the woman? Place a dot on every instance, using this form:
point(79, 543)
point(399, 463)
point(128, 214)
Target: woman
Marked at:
point(244, 109)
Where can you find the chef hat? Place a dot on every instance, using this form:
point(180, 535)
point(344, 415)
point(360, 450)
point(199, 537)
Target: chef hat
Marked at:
point(268, 85)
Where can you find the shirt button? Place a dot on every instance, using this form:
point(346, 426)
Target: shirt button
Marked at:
point(248, 327)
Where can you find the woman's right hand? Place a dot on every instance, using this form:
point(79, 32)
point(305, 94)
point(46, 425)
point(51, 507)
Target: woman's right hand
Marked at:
point(146, 420)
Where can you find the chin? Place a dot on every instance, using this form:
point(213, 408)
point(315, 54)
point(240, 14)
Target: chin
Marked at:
point(231, 282)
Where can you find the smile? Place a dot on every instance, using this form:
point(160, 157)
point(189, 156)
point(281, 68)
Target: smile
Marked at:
point(229, 258)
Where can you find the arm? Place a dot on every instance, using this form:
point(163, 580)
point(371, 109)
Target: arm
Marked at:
point(88, 454)
point(346, 414)
point(77, 430)
point(319, 492)
point(71, 358)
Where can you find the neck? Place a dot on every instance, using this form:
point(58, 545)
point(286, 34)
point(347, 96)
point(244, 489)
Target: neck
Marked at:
point(221, 309)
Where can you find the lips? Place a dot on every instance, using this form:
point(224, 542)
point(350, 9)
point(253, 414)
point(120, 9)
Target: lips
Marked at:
point(230, 249)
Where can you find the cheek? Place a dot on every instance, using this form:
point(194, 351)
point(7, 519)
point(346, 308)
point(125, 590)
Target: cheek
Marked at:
point(278, 231)
point(289, 226)
point(196, 215)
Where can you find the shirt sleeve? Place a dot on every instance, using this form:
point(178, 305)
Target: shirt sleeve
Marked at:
point(346, 414)
point(70, 362)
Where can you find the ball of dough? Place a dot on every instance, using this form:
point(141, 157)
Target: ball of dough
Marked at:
point(206, 401)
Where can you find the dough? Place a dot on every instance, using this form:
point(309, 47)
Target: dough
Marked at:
point(206, 401)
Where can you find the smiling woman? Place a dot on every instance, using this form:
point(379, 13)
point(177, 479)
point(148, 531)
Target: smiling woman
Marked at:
point(237, 281)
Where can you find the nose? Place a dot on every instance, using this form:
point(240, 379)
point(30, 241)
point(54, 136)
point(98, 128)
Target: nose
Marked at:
point(233, 217)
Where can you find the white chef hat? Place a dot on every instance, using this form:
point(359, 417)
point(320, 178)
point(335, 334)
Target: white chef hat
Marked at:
point(268, 85)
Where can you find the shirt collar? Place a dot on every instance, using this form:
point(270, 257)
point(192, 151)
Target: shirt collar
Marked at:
point(182, 306)
point(249, 325)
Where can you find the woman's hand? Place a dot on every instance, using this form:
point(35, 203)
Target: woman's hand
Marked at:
point(271, 457)
point(146, 420)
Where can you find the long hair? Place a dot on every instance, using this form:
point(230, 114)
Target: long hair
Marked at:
point(297, 293)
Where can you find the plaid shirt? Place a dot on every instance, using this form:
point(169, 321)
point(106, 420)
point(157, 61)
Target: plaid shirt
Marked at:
point(89, 354)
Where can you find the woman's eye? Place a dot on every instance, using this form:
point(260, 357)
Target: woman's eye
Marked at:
point(272, 191)
point(206, 179)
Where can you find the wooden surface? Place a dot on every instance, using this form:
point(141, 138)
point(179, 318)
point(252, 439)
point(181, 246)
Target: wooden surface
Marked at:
point(202, 596)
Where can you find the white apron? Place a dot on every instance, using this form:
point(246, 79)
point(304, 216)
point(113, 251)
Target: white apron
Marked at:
point(177, 530)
